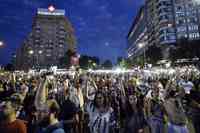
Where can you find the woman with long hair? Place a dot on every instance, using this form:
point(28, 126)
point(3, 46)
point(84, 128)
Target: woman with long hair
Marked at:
point(134, 120)
point(100, 114)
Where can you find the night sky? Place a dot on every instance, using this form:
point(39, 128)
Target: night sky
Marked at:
point(101, 26)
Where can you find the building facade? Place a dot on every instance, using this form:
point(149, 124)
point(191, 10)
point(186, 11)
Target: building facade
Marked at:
point(137, 36)
point(168, 21)
point(51, 36)
point(187, 19)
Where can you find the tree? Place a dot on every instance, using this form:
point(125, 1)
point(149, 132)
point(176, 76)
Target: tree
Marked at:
point(119, 59)
point(185, 49)
point(107, 64)
point(65, 60)
point(9, 67)
point(84, 61)
point(153, 54)
point(87, 62)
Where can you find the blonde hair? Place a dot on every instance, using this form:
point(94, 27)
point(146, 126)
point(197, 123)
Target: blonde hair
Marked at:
point(53, 107)
point(8, 110)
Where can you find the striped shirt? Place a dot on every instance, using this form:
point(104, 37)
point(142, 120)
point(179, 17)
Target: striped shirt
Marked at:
point(100, 122)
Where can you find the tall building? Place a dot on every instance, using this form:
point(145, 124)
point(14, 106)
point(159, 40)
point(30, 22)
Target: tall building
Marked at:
point(51, 36)
point(160, 22)
point(187, 19)
point(168, 21)
point(137, 35)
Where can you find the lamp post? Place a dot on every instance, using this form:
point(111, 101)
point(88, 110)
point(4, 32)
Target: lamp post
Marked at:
point(38, 56)
point(142, 46)
point(89, 63)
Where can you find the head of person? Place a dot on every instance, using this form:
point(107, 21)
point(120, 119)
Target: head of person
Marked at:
point(23, 89)
point(54, 110)
point(78, 83)
point(100, 100)
point(173, 90)
point(156, 87)
point(133, 104)
point(102, 83)
point(8, 112)
point(49, 113)
point(16, 99)
point(130, 84)
point(132, 99)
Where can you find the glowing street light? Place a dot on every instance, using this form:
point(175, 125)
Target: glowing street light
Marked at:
point(118, 70)
point(40, 51)
point(31, 52)
point(94, 64)
point(142, 45)
point(1, 43)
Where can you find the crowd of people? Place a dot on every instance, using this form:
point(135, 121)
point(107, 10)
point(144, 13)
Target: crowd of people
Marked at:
point(99, 103)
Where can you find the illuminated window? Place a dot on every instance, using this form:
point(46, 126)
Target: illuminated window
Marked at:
point(194, 35)
point(181, 29)
point(193, 27)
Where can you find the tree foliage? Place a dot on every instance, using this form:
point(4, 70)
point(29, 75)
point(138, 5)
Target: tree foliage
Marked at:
point(107, 64)
point(65, 60)
point(153, 54)
point(185, 49)
point(88, 61)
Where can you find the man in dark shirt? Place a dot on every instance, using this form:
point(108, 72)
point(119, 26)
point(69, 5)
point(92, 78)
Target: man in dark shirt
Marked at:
point(194, 103)
point(69, 113)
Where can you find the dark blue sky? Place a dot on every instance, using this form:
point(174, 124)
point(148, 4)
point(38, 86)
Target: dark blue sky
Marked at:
point(101, 26)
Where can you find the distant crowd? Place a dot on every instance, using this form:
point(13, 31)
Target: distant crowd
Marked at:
point(99, 103)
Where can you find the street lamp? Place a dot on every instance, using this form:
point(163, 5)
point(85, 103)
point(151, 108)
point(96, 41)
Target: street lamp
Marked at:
point(38, 56)
point(89, 63)
point(142, 46)
point(31, 52)
point(40, 51)
point(1, 43)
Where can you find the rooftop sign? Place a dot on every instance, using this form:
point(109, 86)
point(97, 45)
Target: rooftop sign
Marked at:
point(50, 11)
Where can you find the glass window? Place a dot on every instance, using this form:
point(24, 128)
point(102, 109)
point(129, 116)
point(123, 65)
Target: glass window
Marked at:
point(194, 35)
point(181, 35)
point(181, 29)
point(180, 14)
point(180, 21)
point(172, 37)
point(193, 27)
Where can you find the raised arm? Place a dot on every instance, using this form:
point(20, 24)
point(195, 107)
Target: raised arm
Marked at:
point(41, 95)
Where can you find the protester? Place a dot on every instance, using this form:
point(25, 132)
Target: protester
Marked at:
point(194, 105)
point(101, 101)
point(69, 112)
point(156, 109)
point(100, 114)
point(134, 122)
point(9, 123)
point(54, 125)
point(175, 112)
